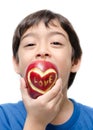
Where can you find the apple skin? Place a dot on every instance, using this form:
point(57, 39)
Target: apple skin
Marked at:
point(40, 77)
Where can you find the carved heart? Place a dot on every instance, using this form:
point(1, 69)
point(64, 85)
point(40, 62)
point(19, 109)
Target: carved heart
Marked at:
point(41, 81)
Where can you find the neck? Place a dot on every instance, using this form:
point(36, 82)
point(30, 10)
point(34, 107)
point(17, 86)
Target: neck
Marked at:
point(64, 113)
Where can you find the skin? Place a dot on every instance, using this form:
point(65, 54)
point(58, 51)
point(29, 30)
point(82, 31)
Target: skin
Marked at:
point(51, 44)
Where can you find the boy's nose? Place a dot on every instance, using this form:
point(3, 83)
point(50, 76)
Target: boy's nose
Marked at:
point(43, 55)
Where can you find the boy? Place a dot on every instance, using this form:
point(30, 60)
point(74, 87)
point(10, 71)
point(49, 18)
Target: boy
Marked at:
point(45, 35)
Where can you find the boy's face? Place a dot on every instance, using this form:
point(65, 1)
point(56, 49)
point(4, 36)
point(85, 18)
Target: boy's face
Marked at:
point(46, 43)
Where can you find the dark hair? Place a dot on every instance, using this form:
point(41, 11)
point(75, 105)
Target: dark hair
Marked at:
point(47, 16)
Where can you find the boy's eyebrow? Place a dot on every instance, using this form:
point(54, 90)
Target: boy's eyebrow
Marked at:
point(50, 33)
point(27, 35)
point(58, 33)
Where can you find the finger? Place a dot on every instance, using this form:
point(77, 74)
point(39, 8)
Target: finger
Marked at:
point(55, 103)
point(51, 94)
point(56, 98)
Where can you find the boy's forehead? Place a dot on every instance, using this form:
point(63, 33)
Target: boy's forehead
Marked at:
point(53, 25)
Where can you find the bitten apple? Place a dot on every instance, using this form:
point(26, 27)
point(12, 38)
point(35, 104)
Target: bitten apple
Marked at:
point(40, 77)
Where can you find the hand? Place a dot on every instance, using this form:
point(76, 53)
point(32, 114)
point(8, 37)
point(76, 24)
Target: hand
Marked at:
point(45, 108)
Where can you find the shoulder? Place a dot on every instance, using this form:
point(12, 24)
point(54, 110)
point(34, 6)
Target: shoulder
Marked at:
point(85, 111)
point(82, 106)
point(83, 116)
point(12, 112)
point(88, 110)
point(9, 106)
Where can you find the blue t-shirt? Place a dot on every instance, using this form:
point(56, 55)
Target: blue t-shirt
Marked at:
point(12, 117)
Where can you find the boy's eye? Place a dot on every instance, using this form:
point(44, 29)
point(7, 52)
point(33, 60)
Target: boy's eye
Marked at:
point(56, 43)
point(30, 44)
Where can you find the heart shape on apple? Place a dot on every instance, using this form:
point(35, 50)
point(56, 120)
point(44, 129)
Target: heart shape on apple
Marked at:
point(40, 77)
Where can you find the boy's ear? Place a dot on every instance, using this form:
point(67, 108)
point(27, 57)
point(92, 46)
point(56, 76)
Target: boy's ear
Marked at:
point(75, 65)
point(15, 64)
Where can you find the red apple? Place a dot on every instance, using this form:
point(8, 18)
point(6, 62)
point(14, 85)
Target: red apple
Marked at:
point(40, 77)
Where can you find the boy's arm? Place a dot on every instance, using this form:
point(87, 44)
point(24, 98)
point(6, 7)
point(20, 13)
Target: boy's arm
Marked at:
point(31, 125)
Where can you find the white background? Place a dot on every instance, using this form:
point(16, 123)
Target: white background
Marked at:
point(79, 12)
